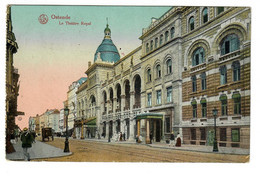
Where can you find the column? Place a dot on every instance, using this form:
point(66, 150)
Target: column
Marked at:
point(147, 131)
point(82, 130)
point(107, 130)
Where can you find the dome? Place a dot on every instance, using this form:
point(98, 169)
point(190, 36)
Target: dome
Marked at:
point(107, 51)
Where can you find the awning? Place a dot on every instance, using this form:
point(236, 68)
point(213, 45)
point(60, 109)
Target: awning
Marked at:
point(91, 123)
point(236, 95)
point(223, 97)
point(149, 116)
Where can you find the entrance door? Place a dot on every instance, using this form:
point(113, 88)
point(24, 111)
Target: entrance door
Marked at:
point(110, 129)
point(158, 131)
point(128, 129)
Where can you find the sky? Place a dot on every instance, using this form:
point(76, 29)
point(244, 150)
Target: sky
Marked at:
point(53, 55)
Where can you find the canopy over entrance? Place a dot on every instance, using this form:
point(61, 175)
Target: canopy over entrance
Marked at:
point(149, 116)
point(91, 122)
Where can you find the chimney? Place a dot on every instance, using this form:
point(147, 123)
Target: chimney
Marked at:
point(89, 64)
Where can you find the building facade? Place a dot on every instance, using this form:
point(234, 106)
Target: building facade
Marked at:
point(192, 59)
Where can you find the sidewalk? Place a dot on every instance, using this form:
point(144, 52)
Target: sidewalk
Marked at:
point(38, 150)
point(185, 147)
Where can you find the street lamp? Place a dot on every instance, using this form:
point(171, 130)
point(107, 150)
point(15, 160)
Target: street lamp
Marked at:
point(215, 144)
point(66, 113)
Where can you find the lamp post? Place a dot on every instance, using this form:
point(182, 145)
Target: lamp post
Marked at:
point(215, 144)
point(66, 113)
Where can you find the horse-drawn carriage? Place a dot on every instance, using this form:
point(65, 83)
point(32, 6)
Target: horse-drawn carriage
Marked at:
point(46, 133)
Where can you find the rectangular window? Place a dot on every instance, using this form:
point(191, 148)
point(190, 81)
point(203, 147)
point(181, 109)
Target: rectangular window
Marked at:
point(224, 108)
point(194, 84)
point(167, 125)
point(223, 75)
point(223, 134)
point(158, 97)
point(237, 106)
point(235, 135)
point(203, 81)
point(169, 94)
point(149, 99)
point(193, 134)
point(204, 109)
point(194, 111)
point(202, 134)
point(220, 10)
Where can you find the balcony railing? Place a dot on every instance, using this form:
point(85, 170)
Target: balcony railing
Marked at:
point(229, 56)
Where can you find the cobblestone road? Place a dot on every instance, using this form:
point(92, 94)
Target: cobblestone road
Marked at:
point(91, 151)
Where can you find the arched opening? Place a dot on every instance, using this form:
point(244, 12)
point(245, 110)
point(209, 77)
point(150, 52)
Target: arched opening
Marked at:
point(118, 96)
point(127, 95)
point(137, 88)
point(111, 95)
point(92, 106)
point(104, 102)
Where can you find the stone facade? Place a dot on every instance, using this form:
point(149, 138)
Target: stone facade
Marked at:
point(177, 74)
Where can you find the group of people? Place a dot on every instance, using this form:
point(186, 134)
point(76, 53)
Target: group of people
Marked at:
point(175, 141)
point(118, 137)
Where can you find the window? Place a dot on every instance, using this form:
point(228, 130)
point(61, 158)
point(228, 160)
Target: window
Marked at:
point(158, 97)
point(147, 47)
point(151, 45)
point(203, 108)
point(166, 36)
point(205, 15)
point(224, 107)
point(202, 134)
point(203, 81)
point(223, 134)
point(161, 39)
point(235, 135)
point(172, 32)
point(167, 125)
point(149, 99)
point(198, 56)
point(194, 110)
point(149, 75)
point(236, 70)
point(158, 71)
point(223, 75)
point(194, 83)
point(237, 103)
point(229, 44)
point(191, 23)
point(156, 43)
point(169, 66)
point(193, 133)
point(169, 94)
point(220, 10)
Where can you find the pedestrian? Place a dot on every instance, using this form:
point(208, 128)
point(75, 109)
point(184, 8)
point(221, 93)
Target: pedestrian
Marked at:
point(172, 140)
point(178, 143)
point(136, 138)
point(140, 139)
point(27, 140)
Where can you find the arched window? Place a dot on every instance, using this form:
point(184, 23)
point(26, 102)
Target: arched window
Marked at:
point(223, 75)
point(161, 39)
point(194, 108)
point(191, 23)
point(237, 102)
point(169, 66)
point(172, 32)
point(198, 56)
point(158, 71)
point(224, 107)
point(229, 44)
point(149, 75)
point(236, 70)
point(151, 45)
point(166, 36)
point(205, 15)
point(147, 47)
point(203, 81)
point(156, 43)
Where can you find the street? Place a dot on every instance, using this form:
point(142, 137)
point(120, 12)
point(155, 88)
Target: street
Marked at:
point(94, 151)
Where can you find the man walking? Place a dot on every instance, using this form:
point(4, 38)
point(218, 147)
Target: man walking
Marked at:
point(27, 140)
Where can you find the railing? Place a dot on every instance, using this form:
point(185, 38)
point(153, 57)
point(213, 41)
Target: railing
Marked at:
point(229, 56)
point(198, 67)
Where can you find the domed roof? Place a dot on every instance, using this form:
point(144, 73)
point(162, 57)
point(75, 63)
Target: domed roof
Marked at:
point(107, 51)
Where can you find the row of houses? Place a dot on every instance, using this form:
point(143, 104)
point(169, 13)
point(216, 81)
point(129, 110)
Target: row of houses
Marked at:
point(192, 60)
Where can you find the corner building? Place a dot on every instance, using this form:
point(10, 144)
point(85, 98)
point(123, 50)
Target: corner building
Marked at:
point(191, 60)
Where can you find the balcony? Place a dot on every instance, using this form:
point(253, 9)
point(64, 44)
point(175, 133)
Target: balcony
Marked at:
point(229, 56)
point(198, 67)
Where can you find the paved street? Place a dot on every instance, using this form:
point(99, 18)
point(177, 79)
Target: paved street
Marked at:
point(101, 151)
